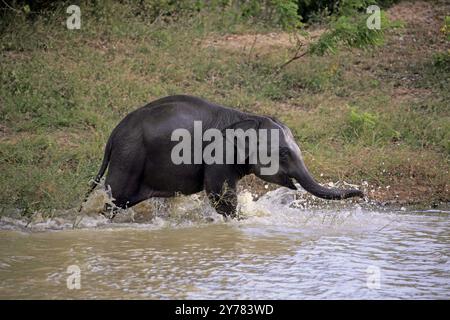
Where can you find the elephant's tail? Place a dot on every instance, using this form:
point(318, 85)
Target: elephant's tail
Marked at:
point(101, 172)
point(309, 184)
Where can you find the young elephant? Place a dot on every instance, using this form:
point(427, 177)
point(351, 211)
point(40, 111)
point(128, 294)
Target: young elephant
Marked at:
point(140, 155)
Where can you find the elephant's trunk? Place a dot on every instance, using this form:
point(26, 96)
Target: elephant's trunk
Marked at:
point(308, 183)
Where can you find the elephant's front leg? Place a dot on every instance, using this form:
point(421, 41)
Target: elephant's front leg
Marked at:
point(220, 187)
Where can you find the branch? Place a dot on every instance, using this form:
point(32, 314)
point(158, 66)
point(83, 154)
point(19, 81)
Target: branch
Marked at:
point(11, 8)
point(296, 56)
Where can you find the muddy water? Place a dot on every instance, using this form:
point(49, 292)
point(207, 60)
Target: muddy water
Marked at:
point(282, 247)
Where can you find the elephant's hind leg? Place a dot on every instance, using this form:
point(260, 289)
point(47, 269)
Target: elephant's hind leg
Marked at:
point(124, 179)
point(127, 201)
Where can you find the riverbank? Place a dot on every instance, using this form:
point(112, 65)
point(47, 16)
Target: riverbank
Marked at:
point(375, 118)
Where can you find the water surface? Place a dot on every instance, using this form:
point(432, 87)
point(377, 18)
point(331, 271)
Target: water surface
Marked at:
point(281, 250)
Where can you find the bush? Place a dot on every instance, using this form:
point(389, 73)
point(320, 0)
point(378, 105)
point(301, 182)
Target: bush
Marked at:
point(368, 128)
point(441, 61)
point(359, 123)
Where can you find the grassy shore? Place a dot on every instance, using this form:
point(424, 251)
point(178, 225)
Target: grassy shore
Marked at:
point(380, 116)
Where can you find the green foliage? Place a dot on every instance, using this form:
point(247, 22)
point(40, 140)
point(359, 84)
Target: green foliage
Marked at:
point(286, 13)
point(368, 128)
point(359, 123)
point(350, 7)
point(441, 61)
point(349, 32)
point(282, 13)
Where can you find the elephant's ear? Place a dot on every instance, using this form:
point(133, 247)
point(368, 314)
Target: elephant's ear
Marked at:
point(248, 143)
point(244, 125)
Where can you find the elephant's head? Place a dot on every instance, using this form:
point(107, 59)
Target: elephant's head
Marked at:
point(292, 168)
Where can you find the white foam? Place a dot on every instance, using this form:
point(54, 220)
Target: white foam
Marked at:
point(283, 207)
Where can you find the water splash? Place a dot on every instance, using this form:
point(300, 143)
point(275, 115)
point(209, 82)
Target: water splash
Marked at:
point(282, 207)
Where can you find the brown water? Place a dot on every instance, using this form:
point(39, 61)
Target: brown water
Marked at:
point(280, 250)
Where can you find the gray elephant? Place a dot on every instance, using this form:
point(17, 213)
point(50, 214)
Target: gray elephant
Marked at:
point(140, 155)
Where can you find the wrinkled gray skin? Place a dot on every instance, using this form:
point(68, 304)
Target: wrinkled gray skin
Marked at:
point(138, 154)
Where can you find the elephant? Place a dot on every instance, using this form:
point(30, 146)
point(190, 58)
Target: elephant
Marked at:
point(138, 155)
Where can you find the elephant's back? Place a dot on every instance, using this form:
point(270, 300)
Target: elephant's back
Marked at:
point(155, 122)
point(182, 100)
point(180, 111)
point(184, 107)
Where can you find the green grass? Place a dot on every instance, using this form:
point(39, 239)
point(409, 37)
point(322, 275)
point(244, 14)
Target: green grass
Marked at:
point(62, 92)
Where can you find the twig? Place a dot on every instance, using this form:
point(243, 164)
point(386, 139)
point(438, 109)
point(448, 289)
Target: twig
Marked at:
point(295, 57)
point(13, 9)
point(158, 17)
point(252, 47)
